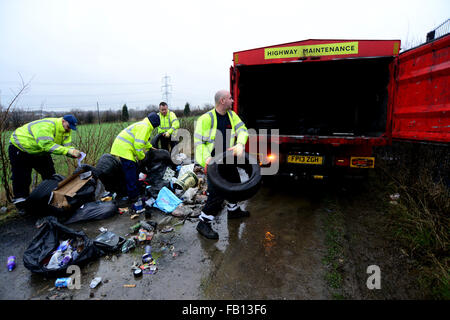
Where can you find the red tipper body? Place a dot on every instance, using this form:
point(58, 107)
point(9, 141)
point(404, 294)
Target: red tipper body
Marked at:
point(332, 101)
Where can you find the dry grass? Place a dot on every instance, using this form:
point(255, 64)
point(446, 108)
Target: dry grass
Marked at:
point(422, 214)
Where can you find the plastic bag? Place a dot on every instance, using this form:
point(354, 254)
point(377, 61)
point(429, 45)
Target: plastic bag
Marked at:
point(96, 210)
point(38, 254)
point(166, 201)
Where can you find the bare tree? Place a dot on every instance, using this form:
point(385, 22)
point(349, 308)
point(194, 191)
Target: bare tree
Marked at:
point(4, 141)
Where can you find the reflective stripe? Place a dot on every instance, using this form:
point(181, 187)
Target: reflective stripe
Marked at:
point(45, 138)
point(18, 143)
point(36, 122)
point(124, 140)
point(139, 140)
point(140, 149)
point(56, 146)
point(240, 124)
point(197, 144)
point(67, 144)
point(203, 138)
point(130, 133)
point(212, 125)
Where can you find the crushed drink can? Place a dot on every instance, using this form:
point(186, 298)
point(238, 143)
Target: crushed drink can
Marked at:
point(63, 282)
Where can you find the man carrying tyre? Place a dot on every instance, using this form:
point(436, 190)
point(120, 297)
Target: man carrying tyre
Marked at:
point(212, 132)
point(32, 146)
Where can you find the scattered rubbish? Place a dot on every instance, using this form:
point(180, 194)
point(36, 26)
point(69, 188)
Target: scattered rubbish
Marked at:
point(123, 210)
point(128, 245)
point(394, 196)
point(189, 195)
point(166, 200)
point(95, 282)
point(188, 180)
point(11, 264)
point(137, 273)
point(134, 216)
point(149, 226)
point(142, 176)
point(167, 229)
point(168, 174)
point(106, 199)
point(3, 210)
point(61, 257)
point(147, 256)
point(63, 282)
point(150, 202)
point(145, 235)
point(103, 229)
point(129, 286)
point(179, 158)
point(135, 227)
point(109, 241)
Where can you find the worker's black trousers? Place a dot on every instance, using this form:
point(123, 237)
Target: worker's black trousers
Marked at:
point(214, 203)
point(165, 142)
point(22, 164)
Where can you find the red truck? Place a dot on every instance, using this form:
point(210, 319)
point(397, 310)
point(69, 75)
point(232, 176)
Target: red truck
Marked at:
point(333, 101)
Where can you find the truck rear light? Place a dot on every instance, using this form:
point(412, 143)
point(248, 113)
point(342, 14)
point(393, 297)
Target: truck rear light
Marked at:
point(362, 162)
point(344, 162)
point(271, 157)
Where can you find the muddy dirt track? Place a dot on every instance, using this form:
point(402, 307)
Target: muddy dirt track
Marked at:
point(278, 253)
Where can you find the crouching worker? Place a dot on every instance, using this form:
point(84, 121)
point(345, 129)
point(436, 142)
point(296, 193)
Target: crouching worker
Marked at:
point(226, 123)
point(130, 146)
point(31, 147)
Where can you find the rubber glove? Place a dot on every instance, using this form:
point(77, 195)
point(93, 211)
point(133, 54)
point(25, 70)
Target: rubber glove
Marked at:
point(74, 153)
point(238, 150)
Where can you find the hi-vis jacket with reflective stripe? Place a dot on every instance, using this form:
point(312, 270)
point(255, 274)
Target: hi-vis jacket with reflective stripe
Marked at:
point(169, 122)
point(205, 134)
point(132, 142)
point(42, 136)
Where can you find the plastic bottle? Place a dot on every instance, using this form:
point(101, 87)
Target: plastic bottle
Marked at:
point(11, 263)
point(128, 245)
point(55, 260)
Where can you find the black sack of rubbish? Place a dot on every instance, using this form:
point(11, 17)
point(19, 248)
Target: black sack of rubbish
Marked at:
point(37, 201)
point(154, 165)
point(109, 171)
point(45, 243)
point(96, 210)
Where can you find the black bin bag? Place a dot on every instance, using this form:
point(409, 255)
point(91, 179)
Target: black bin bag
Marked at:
point(47, 240)
point(96, 210)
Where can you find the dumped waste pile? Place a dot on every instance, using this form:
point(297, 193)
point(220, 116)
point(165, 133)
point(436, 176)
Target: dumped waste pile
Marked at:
point(170, 199)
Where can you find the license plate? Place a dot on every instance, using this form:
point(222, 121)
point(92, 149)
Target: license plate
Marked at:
point(293, 158)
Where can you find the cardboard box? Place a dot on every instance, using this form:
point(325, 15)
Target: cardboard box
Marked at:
point(68, 187)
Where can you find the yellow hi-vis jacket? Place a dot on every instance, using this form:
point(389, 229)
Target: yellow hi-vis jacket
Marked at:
point(43, 136)
point(132, 142)
point(168, 123)
point(205, 134)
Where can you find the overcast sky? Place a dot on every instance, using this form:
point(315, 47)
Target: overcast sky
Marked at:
point(80, 52)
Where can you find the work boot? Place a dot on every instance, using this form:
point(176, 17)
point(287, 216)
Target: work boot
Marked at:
point(204, 227)
point(235, 212)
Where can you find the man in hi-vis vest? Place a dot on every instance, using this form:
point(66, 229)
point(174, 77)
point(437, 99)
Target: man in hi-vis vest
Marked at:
point(169, 124)
point(220, 121)
point(31, 147)
point(130, 146)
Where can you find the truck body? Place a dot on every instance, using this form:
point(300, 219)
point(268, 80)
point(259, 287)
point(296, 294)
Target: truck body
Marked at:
point(333, 101)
